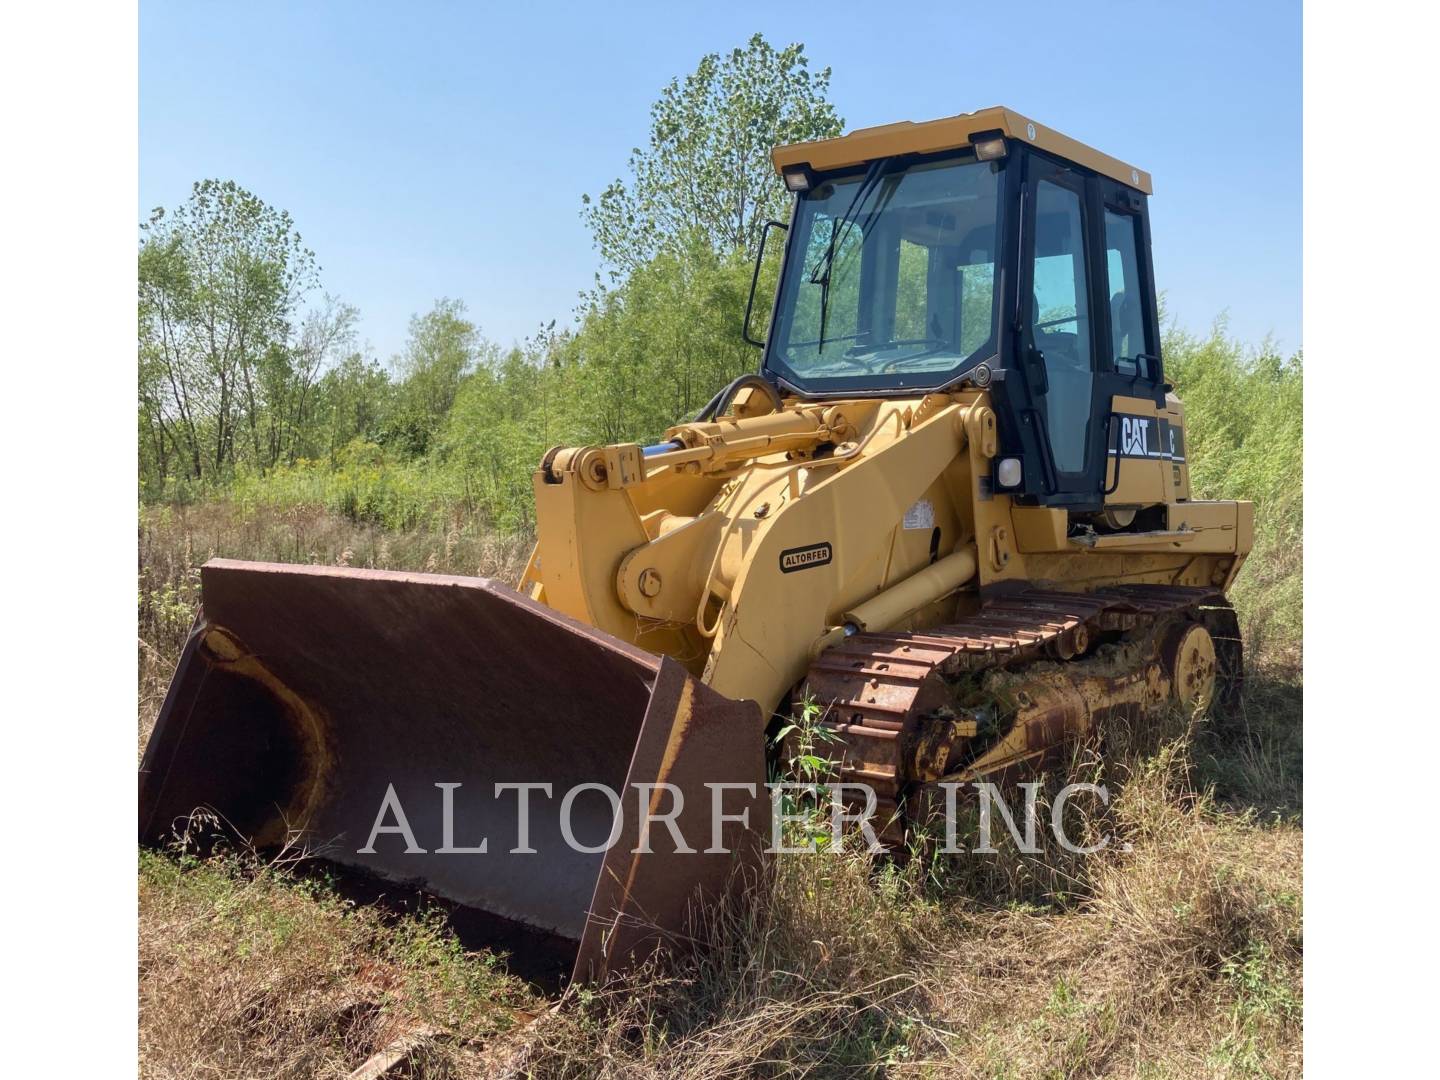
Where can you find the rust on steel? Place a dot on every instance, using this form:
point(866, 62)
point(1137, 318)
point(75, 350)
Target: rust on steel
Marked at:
point(304, 693)
point(890, 696)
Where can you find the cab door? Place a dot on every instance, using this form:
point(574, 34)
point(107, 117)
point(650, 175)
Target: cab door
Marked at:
point(1146, 444)
point(1060, 331)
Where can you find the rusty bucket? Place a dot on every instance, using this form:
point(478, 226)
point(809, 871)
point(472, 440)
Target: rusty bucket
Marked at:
point(343, 711)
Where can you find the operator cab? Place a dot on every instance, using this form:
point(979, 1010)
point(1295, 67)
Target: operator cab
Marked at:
point(978, 250)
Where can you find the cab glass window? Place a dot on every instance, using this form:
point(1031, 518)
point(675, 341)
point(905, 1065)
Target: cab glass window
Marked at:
point(890, 280)
point(1127, 312)
point(1060, 322)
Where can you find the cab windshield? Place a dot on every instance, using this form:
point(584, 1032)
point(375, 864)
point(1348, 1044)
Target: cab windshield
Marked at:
point(890, 278)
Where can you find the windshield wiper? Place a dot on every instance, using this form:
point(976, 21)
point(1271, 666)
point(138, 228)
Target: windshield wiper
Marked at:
point(894, 343)
point(928, 354)
point(846, 221)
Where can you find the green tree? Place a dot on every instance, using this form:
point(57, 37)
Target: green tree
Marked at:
point(495, 433)
point(443, 348)
point(170, 414)
point(649, 352)
point(706, 171)
point(291, 378)
point(220, 281)
point(355, 401)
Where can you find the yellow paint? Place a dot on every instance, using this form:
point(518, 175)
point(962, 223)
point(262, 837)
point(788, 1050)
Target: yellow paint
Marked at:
point(713, 520)
point(951, 133)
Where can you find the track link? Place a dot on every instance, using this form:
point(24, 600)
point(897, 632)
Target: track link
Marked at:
point(880, 686)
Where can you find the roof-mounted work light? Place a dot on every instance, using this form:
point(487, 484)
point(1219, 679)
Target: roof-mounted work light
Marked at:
point(798, 178)
point(990, 147)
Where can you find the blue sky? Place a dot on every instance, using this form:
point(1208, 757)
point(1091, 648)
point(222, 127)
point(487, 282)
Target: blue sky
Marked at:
point(441, 149)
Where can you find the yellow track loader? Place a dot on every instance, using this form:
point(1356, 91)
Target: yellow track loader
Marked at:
point(953, 507)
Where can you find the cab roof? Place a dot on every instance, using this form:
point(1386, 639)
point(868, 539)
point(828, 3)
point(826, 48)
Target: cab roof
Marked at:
point(933, 136)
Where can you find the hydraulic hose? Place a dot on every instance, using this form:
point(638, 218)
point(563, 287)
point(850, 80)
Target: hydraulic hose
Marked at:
point(717, 405)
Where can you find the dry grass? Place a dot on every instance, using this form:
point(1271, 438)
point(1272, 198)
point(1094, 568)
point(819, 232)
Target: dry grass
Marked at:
point(246, 970)
point(175, 541)
point(1175, 952)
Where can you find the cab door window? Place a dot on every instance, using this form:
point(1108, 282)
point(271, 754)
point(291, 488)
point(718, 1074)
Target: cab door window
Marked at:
point(1060, 323)
point(1127, 308)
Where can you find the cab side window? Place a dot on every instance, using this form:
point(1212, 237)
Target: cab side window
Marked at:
point(1127, 311)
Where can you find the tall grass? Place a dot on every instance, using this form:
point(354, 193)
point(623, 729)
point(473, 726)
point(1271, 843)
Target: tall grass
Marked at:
point(175, 540)
point(1245, 440)
point(370, 485)
point(365, 486)
point(1177, 952)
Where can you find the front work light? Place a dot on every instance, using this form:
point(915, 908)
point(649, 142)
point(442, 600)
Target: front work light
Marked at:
point(797, 178)
point(990, 149)
point(1008, 473)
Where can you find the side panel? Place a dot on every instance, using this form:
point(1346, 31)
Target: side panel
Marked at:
point(1139, 453)
point(777, 614)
